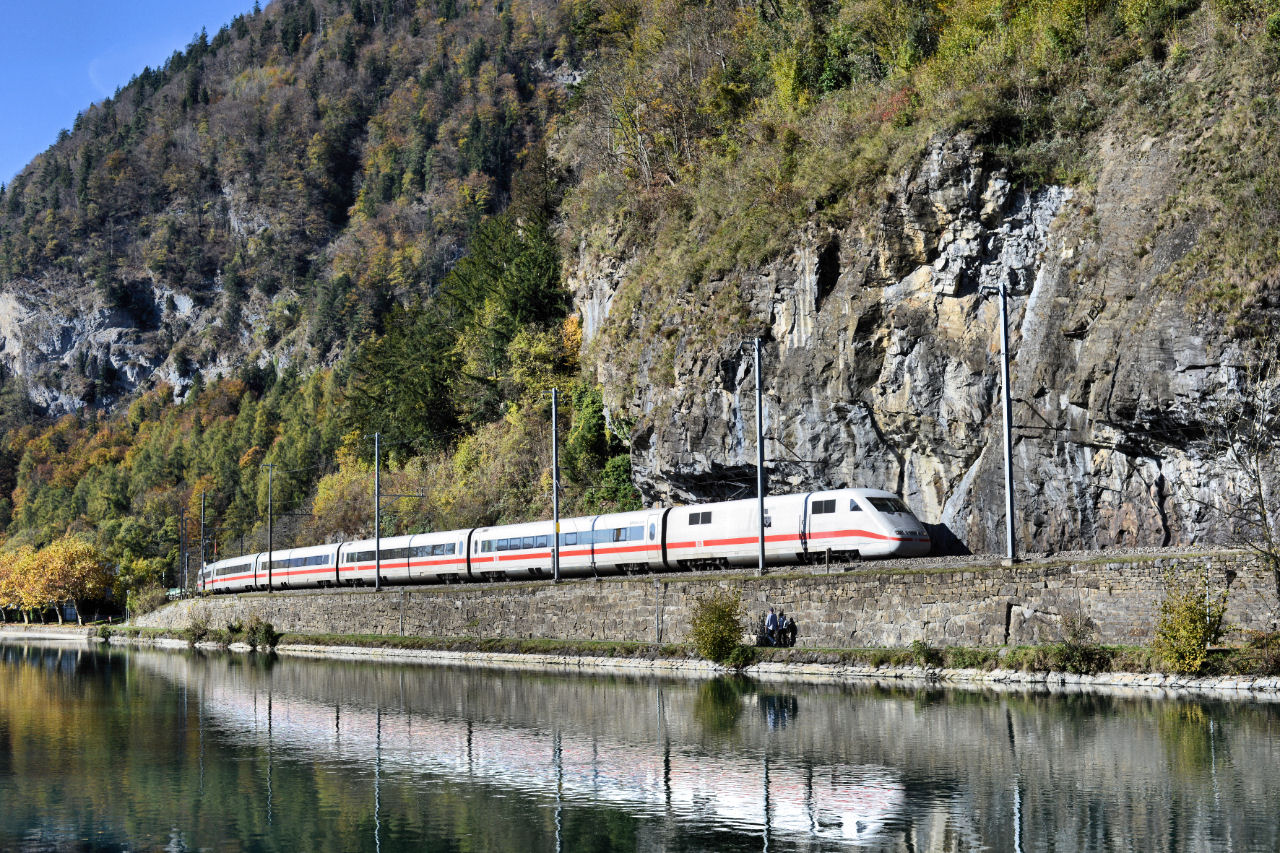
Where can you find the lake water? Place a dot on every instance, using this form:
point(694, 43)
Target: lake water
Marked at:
point(152, 750)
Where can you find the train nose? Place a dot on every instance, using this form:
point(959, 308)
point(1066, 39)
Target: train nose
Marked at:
point(913, 540)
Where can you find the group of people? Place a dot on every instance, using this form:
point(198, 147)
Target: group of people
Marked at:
point(777, 629)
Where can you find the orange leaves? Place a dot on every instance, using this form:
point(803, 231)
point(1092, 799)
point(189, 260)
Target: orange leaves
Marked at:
point(69, 569)
point(252, 457)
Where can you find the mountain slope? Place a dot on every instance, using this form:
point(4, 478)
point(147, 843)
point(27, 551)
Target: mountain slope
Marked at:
point(274, 188)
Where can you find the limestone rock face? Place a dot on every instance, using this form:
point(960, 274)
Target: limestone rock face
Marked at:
point(61, 337)
point(74, 348)
point(882, 362)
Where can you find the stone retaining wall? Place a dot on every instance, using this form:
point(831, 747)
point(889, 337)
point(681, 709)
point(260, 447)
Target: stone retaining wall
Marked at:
point(977, 605)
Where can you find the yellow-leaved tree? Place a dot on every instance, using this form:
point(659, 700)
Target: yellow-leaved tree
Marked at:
point(10, 578)
point(23, 583)
point(74, 571)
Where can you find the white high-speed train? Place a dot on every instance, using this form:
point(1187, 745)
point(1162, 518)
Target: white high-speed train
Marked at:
point(808, 527)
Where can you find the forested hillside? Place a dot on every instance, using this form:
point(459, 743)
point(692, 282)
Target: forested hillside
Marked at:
point(326, 220)
point(339, 217)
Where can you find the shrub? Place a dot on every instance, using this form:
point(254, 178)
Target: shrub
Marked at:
point(1190, 620)
point(1077, 652)
point(260, 634)
point(197, 628)
point(221, 636)
point(1263, 648)
point(741, 657)
point(104, 633)
point(147, 599)
point(924, 654)
point(716, 627)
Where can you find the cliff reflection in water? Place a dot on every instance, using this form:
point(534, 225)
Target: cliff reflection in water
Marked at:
point(187, 750)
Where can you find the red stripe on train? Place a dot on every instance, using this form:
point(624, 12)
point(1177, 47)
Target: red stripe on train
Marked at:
point(790, 537)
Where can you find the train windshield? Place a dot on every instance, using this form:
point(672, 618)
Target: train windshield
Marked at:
point(890, 506)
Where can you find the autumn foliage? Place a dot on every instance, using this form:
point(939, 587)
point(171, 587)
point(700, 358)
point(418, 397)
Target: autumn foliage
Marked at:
point(67, 571)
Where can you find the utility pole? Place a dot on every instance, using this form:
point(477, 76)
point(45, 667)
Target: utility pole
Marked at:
point(555, 488)
point(760, 569)
point(1011, 547)
point(182, 546)
point(271, 470)
point(377, 512)
point(201, 575)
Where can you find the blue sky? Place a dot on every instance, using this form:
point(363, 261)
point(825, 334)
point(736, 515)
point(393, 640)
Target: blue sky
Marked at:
point(59, 56)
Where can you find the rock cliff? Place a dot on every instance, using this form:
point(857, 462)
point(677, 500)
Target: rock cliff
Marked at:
point(882, 360)
point(72, 347)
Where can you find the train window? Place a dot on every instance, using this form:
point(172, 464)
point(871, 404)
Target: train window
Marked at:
point(768, 521)
point(653, 532)
point(529, 541)
point(619, 534)
point(699, 518)
point(543, 542)
point(885, 504)
point(706, 518)
point(823, 507)
point(637, 533)
point(853, 506)
point(500, 545)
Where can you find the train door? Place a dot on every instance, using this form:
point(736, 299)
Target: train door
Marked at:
point(824, 528)
point(653, 540)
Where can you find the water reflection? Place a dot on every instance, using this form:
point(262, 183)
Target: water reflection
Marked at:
point(190, 751)
point(554, 755)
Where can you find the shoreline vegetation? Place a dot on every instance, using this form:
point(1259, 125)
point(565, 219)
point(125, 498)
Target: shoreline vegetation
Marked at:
point(1246, 671)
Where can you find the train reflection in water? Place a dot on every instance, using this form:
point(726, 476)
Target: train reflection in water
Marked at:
point(837, 804)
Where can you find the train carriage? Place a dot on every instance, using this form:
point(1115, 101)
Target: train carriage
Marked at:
point(440, 556)
point(623, 542)
point(728, 533)
point(315, 565)
point(235, 574)
point(512, 551)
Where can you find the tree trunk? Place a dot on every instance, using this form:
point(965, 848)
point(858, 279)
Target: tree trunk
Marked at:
point(79, 615)
point(57, 608)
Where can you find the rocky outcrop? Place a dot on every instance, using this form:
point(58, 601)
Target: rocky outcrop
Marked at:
point(882, 364)
point(73, 346)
